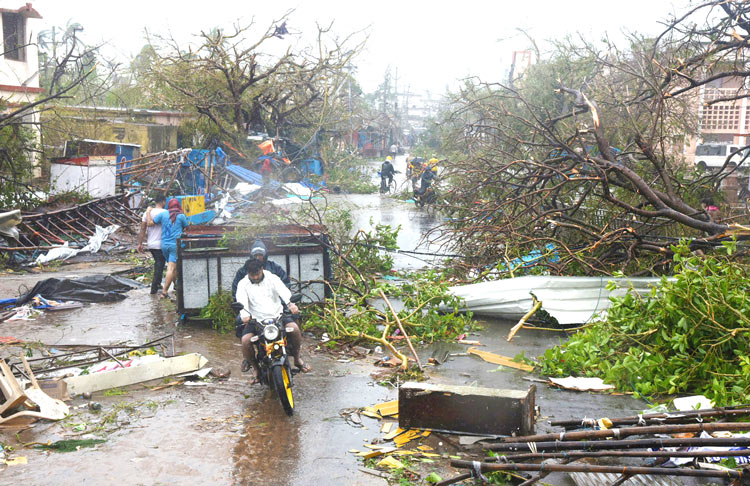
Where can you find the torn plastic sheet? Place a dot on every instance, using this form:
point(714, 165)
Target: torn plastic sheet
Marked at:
point(94, 288)
point(23, 313)
point(100, 236)
point(581, 384)
point(678, 461)
point(64, 252)
point(60, 253)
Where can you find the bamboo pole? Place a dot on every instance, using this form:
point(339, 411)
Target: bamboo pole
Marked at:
point(588, 468)
point(620, 444)
point(517, 327)
point(448, 482)
point(400, 326)
point(581, 454)
point(628, 431)
point(659, 417)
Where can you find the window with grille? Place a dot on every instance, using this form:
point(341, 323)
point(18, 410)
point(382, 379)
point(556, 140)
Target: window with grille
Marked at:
point(13, 37)
point(721, 117)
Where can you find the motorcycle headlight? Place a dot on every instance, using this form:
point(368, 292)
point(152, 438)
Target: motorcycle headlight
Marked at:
point(271, 332)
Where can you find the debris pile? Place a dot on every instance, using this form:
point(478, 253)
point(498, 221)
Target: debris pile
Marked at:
point(696, 443)
point(85, 226)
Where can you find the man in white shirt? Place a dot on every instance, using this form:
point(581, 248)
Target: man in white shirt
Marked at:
point(263, 296)
point(153, 243)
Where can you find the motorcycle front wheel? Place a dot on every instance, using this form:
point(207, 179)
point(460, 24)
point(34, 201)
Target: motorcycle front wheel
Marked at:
point(283, 383)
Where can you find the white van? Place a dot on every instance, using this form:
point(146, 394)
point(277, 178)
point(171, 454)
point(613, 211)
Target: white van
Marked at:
point(713, 156)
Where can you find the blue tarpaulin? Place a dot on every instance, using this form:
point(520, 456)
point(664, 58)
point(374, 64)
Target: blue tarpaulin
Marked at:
point(249, 176)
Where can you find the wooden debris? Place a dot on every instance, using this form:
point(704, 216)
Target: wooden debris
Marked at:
point(499, 360)
point(517, 327)
point(391, 463)
point(466, 409)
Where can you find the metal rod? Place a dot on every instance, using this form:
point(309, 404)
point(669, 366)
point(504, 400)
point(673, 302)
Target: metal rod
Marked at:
point(654, 471)
point(541, 475)
point(620, 444)
point(113, 357)
point(628, 431)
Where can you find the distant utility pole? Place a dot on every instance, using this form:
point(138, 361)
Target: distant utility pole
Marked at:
point(351, 111)
point(396, 120)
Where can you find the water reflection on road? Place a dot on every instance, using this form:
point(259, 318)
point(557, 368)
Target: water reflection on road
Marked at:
point(372, 209)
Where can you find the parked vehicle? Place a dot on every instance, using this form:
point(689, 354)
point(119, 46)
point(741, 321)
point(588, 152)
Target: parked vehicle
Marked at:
point(271, 356)
point(714, 155)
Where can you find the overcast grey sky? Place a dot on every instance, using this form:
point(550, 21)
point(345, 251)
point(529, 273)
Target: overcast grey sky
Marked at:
point(431, 43)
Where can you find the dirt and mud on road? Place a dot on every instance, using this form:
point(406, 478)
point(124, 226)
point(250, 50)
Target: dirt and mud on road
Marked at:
point(224, 431)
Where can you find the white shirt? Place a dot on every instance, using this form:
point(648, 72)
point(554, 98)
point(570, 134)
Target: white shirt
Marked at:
point(153, 233)
point(263, 300)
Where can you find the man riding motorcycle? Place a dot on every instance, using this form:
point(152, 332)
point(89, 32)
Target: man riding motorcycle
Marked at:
point(423, 194)
point(263, 296)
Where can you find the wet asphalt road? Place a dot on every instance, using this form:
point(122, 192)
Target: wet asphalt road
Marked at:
point(228, 432)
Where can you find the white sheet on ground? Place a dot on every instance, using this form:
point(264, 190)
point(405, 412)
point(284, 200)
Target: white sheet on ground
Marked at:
point(581, 384)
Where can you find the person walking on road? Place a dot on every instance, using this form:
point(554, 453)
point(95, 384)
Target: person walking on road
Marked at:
point(172, 223)
point(152, 234)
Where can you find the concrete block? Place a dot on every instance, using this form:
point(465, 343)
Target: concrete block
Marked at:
point(466, 409)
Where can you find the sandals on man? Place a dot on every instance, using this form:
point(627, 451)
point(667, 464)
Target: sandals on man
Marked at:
point(303, 367)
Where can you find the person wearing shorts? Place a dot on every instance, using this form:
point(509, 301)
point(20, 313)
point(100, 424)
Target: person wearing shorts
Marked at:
point(172, 223)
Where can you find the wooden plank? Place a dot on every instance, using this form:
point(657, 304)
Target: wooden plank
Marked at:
point(136, 374)
point(464, 409)
point(499, 360)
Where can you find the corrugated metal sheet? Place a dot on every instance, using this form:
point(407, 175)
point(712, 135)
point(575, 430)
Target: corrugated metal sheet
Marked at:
point(249, 176)
point(605, 479)
point(570, 300)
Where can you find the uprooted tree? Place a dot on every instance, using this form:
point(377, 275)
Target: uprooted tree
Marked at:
point(237, 81)
point(582, 156)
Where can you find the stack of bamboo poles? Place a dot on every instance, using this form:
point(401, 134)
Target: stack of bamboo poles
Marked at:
point(588, 438)
point(159, 171)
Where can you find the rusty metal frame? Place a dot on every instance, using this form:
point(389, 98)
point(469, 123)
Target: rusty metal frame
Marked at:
point(74, 225)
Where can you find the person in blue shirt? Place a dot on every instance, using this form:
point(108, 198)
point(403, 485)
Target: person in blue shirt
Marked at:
point(172, 223)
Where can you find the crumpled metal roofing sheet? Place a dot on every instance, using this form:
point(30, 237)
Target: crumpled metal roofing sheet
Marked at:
point(605, 479)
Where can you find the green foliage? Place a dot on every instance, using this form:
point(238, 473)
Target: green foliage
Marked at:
point(70, 445)
point(691, 336)
point(70, 198)
point(219, 311)
point(350, 176)
point(366, 253)
point(421, 298)
point(17, 144)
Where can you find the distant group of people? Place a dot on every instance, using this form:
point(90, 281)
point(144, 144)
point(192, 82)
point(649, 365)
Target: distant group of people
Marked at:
point(421, 174)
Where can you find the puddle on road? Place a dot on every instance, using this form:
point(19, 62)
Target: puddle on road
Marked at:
point(230, 432)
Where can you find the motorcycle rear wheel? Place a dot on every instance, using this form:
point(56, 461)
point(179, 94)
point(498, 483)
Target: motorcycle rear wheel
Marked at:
point(283, 383)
